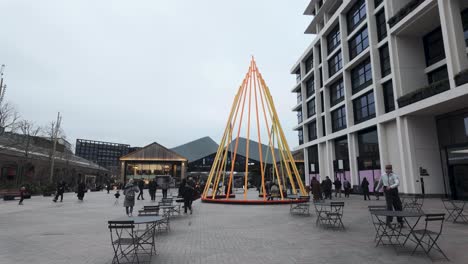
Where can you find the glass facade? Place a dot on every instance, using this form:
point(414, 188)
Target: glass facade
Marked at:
point(312, 153)
point(356, 15)
point(361, 76)
point(309, 63)
point(336, 92)
point(312, 127)
point(333, 39)
point(310, 87)
point(338, 119)
point(311, 108)
point(368, 159)
point(381, 25)
point(301, 136)
point(341, 162)
point(364, 108)
point(106, 154)
point(389, 99)
point(358, 43)
point(335, 64)
point(385, 66)
point(434, 47)
point(465, 25)
point(299, 117)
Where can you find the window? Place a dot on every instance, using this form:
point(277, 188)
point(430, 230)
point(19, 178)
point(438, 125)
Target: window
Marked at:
point(324, 132)
point(333, 39)
point(298, 75)
point(434, 47)
point(377, 3)
point(381, 25)
point(358, 43)
point(301, 136)
point(368, 143)
point(321, 78)
point(338, 119)
point(356, 15)
point(336, 92)
point(465, 121)
point(312, 127)
point(361, 76)
point(319, 47)
point(335, 64)
point(385, 67)
point(299, 97)
point(465, 24)
point(310, 87)
point(438, 75)
point(321, 101)
point(299, 117)
point(311, 108)
point(309, 63)
point(312, 153)
point(364, 108)
point(389, 100)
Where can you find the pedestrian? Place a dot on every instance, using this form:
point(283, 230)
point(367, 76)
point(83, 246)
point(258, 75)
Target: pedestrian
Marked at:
point(22, 190)
point(315, 187)
point(141, 186)
point(337, 184)
point(129, 191)
point(164, 187)
point(390, 182)
point(152, 189)
point(365, 188)
point(347, 187)
point(187, 194)
point(109, 187)
point(59, 192)
point(328, 188)
point(81, 191)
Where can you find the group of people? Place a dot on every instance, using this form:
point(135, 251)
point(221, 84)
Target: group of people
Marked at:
point(323, 190)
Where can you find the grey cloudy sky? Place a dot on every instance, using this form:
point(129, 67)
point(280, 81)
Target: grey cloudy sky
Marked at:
point(147, 70)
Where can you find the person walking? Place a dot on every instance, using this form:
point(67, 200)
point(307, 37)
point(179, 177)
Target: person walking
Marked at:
point(141, 186)
point(187, 194)
point(60, 191)
point(315, 187)
point(152, 189)
point(164, 187)
point(129, 191)
point(365, 188)
point(109, 187)
point(81, 191)
point(347, 187)
point(22, 190)
point(337, 184)
point(390, 182)
point(328, 188)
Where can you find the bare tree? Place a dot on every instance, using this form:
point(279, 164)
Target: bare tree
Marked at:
point(8, 118)
point(29, 130)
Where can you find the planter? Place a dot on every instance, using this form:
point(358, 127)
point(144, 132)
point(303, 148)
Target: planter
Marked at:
point(423, 93)
point(461, 78)
point(403, 12)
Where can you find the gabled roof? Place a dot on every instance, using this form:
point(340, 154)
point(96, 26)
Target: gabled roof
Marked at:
point(197, 149)
point(253, 150)
point(154, 152)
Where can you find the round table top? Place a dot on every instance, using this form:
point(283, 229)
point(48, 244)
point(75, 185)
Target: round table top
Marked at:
point(140, 219)
point(396, 213)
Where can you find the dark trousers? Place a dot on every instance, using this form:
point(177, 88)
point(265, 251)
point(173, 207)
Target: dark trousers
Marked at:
point(21, 200)
point(140, 195)
point(153, 195)
point(164, 191)
point(366, 194)
point(393, 202)
point(187, 204)
point(338, 191)
point(346, 192)
point(57, 196)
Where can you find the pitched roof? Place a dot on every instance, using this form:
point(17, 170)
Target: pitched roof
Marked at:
point(197, 149)
point(154, 152)
point(254, 153)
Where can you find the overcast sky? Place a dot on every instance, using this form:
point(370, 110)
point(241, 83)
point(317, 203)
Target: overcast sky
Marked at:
point(141, 71)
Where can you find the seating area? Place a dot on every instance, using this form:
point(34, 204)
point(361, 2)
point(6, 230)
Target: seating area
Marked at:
point(456, 210)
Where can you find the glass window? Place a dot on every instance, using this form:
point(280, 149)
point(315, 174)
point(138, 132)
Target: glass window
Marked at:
point(440, 74)
point(368, 143)
point(389, 100)
point(377, 3)
point(358, 43)
point(320, 53)
point(311, 108)
point(341, 148)
point(335, 64)
point(312, 153)
point(321, 78)
point(381, 25)
point(336, 92)
point(465, 24)
point(298, 75)
point(312, 127)
point(385, 67)
point(299, 97)
point(299, 117)
point(301, 136)
point(324, 132)
point(356, 15)
point(310, 87)
point(309, 63)
point(333, 39)
point(338, 119)
point(361, 76)
point(321, 101)
point(434, 47)
point(364, 108)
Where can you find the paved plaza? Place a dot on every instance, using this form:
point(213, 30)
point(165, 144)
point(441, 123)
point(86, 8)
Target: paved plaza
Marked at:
point(76, 232)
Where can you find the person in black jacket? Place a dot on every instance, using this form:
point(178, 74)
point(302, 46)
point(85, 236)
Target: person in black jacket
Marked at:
point(81, 191)
point(187, 193)
point(60, 191)
point(152, 189)
point(365, 188)
point(328, 188)
point(337, 184)
point(141, 185)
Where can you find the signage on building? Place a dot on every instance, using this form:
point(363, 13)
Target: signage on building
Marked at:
point(312, 167)
point(423, 172)
point(340, 165)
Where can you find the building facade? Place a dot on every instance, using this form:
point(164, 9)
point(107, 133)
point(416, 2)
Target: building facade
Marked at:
point(385, 82)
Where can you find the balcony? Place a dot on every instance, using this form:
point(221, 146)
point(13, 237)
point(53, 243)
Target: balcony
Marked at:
point(461, 78)
point(404, 11)
point(423, 93)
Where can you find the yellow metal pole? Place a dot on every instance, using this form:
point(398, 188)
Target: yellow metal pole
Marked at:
point(248, 137)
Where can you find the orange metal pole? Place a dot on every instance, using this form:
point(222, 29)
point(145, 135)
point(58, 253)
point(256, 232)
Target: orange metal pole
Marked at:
point(248, 136)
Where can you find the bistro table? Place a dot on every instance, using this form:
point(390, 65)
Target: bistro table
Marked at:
point(395, 231)
point(168, 210)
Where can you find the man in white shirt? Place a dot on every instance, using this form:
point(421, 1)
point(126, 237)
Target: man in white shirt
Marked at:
point(390, 182)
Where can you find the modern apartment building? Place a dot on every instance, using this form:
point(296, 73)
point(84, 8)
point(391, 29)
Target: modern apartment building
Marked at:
point(386, 82)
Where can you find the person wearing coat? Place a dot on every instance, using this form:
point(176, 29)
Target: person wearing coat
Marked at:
point(337, 184)
point(365, 188)
point(188, 193)
point(129, 191)
point(328, 188)
point(81, 191)
point(315, 187)
point(152, 189)
point(60, 191)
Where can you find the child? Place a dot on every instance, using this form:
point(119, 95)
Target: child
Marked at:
point(22, 191)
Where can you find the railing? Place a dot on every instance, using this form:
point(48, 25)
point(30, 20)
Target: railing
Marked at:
point(404, 11)
point(423, 93)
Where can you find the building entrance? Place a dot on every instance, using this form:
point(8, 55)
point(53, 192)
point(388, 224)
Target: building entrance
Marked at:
point(458, 172)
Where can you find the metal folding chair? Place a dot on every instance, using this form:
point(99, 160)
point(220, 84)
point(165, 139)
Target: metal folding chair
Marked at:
point(335, 216)
point(455, 209)
point(300, 208)
point(378, 225)
point(124, 241)
point(432, 231)
point(321, 213)
point(413, 203)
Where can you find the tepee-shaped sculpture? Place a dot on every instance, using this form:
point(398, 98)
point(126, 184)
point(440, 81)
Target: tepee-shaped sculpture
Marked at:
point(253, 113)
